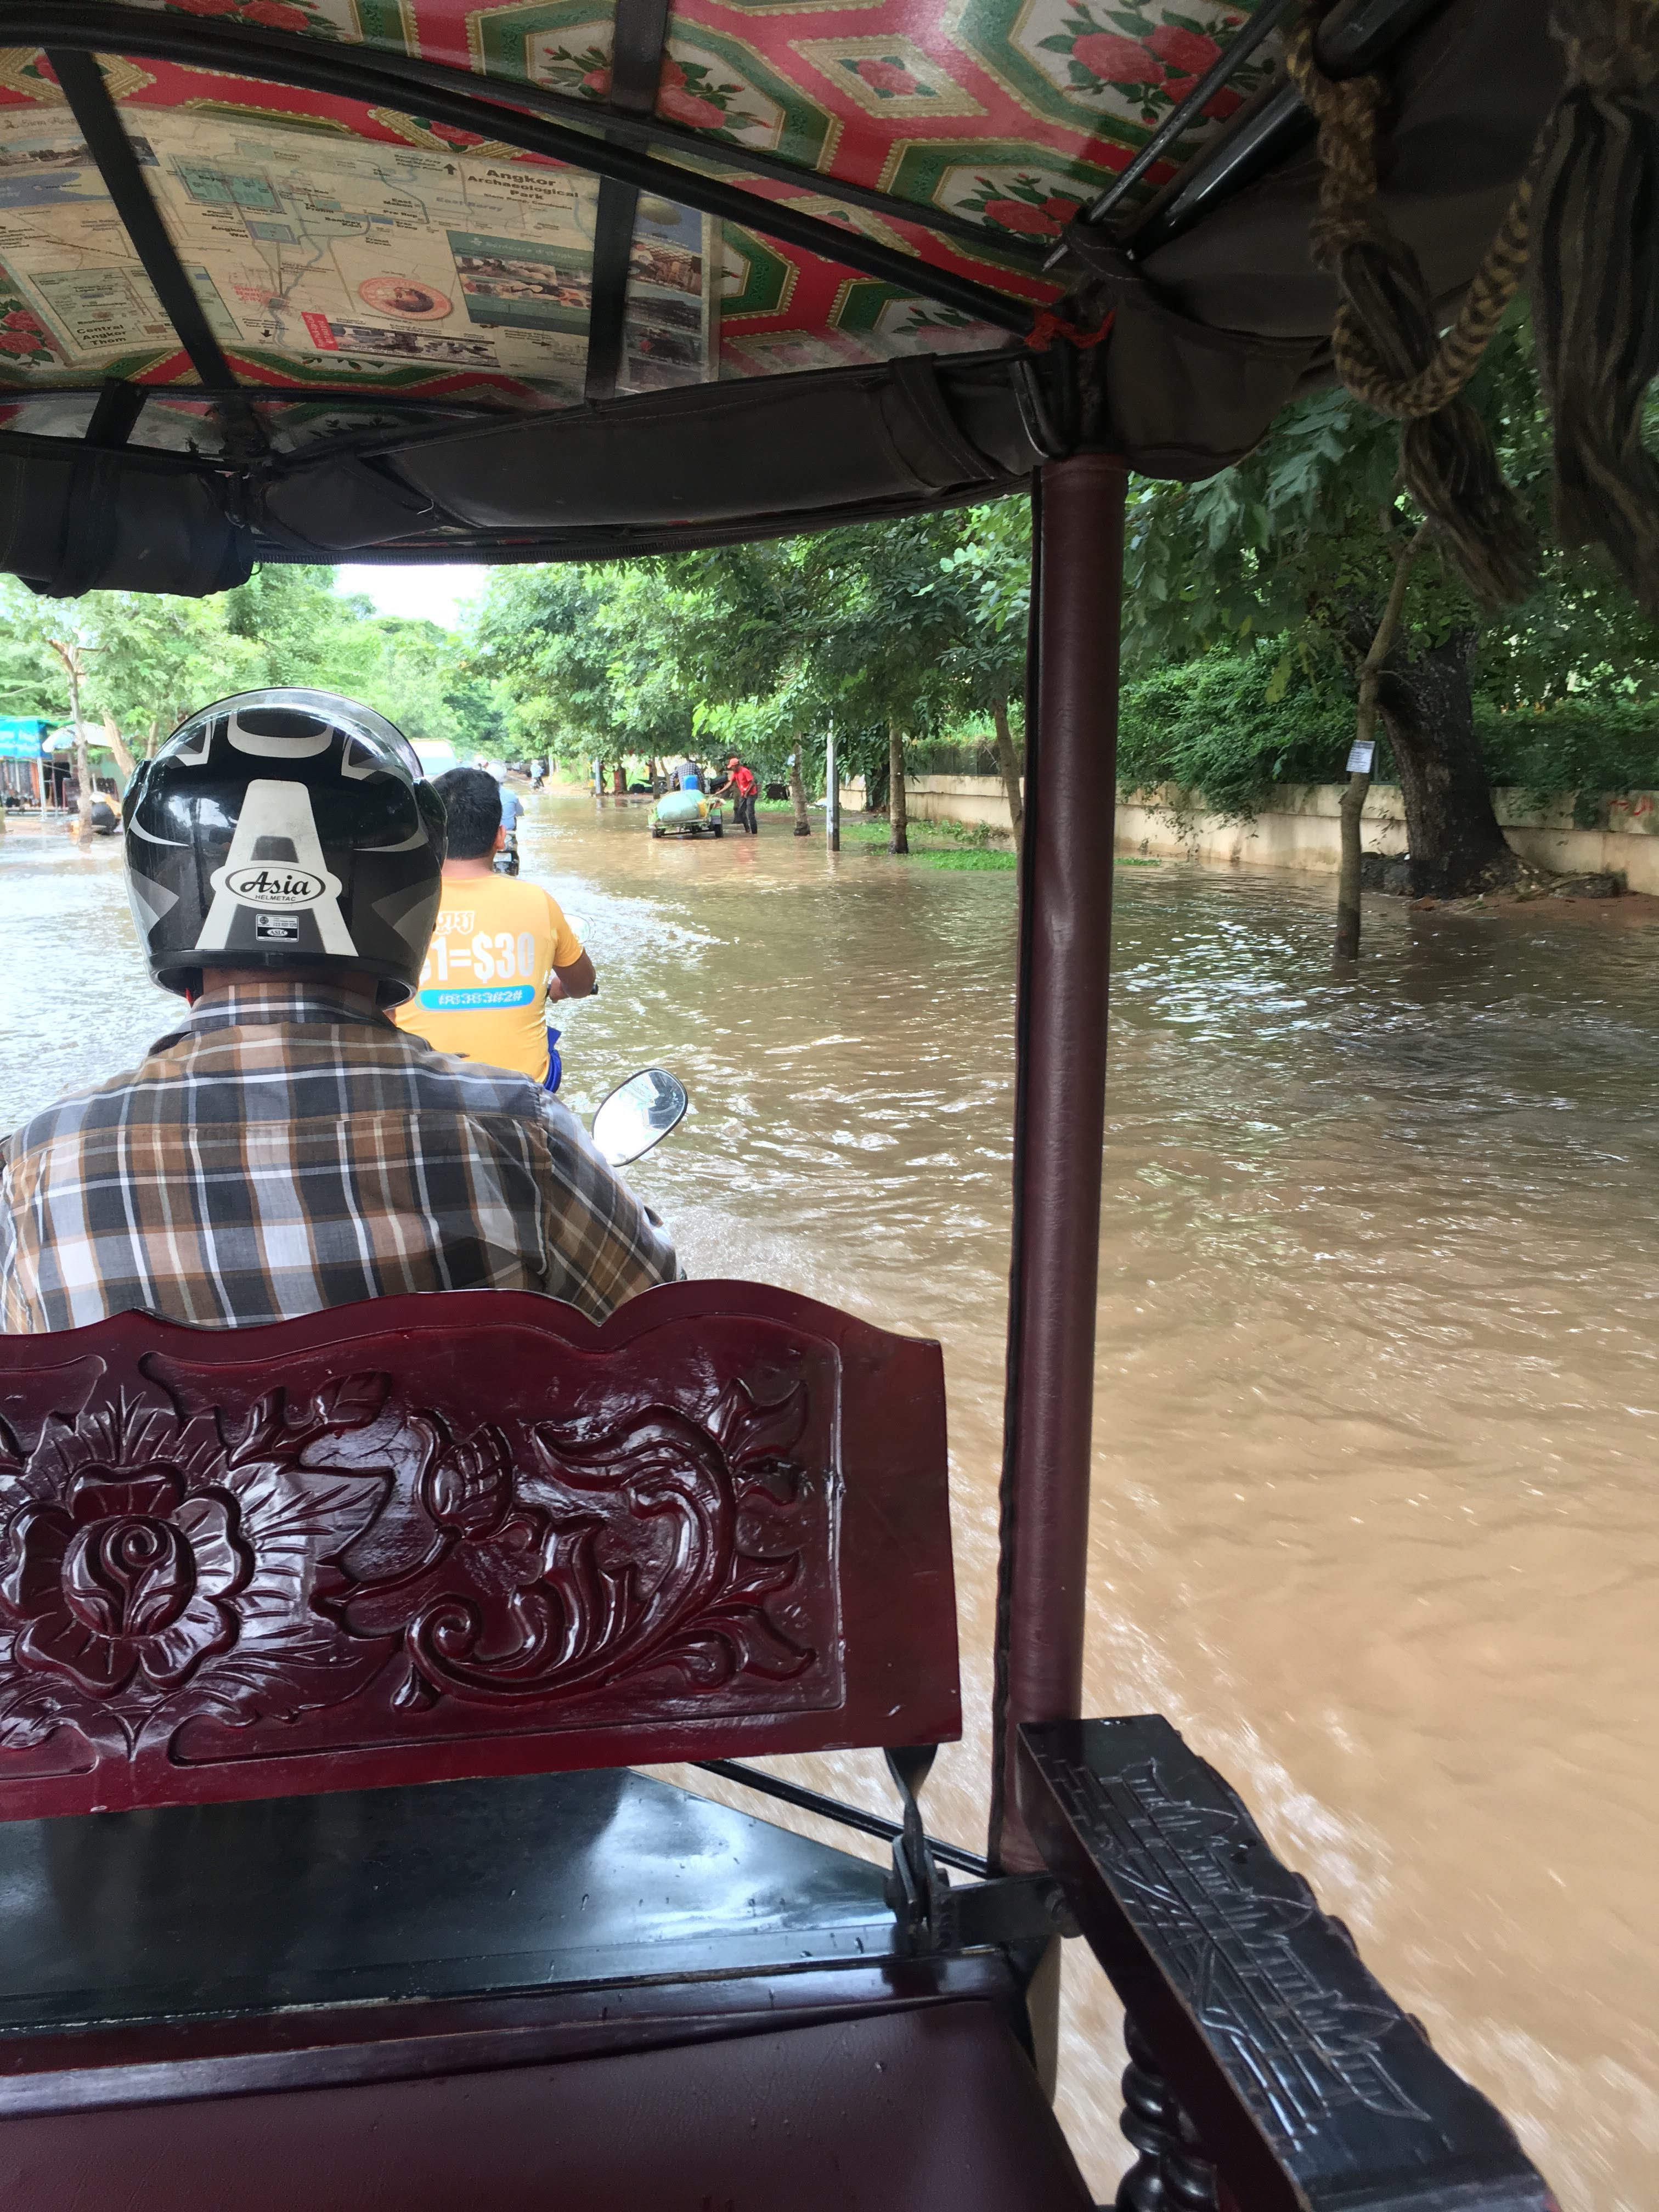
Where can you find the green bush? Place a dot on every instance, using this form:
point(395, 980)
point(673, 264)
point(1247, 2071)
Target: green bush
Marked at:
point(1213, 725)
point(1573, 745)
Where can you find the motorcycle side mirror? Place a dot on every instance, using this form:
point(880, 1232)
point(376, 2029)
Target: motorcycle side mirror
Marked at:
point(637, 1115)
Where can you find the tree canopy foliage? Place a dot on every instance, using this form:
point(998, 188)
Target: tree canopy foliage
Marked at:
point(1247, 595)
point(148, 660)
point(761, 647)
point(1244, 598)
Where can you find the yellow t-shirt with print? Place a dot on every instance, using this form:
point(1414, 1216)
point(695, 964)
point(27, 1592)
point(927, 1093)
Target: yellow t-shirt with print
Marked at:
point(483, 986)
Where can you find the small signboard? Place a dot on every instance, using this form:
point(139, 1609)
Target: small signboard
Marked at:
point(21, 736)
point(1361, 754)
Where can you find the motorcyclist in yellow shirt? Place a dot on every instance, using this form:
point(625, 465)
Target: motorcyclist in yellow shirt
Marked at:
point(500, 946)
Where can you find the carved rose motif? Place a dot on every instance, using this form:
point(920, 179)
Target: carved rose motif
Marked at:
point(130, 1574)
point(154, 1570)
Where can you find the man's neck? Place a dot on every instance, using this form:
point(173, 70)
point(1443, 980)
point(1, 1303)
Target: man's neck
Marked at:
point(457, 871)
point(219, 983)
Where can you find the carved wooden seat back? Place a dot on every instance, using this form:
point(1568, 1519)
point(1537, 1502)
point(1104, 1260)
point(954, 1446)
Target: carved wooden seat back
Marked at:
point(464, 1534)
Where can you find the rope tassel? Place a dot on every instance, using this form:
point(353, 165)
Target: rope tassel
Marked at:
point(1385, 345)
point(1596, 282)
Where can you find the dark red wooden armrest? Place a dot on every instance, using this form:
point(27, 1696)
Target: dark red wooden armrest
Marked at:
point(471, 1533)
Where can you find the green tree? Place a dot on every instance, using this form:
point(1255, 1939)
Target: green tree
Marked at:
point(879, 621)
point(989, 576)
point(302, 630)
point(1295, 546)
point(551, 645)
point(122, 665)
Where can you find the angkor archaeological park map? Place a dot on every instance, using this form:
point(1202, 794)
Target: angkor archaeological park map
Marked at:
point(346, 253)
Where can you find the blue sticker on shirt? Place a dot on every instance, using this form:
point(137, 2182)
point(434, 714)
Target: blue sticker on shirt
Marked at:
point(455, 1002)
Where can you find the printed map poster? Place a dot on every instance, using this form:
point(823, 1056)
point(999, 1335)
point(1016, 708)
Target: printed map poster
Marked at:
point(321, 245)
point(671, 329)
point(72, 291)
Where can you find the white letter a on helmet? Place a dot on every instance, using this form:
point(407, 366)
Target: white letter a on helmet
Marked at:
point(278, 811)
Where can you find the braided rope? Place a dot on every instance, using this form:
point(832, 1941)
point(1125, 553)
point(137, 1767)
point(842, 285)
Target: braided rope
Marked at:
point(1348, 111)
point(1608, 43)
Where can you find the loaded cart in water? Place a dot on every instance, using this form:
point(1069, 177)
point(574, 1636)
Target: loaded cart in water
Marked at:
point(327, 1875)
point(688, 814)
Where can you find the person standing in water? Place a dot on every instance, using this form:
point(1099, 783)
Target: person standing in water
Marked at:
point(501, 947)
point(741, 788)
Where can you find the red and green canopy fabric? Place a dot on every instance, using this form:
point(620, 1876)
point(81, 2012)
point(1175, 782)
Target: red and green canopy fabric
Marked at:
point(291, 278)
point(343, 243)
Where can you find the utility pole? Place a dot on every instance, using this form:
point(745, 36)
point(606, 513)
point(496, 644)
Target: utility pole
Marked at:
point(832, 793)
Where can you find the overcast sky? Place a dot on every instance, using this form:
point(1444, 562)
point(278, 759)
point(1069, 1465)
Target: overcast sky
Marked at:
point(420, 594)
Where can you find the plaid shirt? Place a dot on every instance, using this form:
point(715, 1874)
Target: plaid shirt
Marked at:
point(286, 1151)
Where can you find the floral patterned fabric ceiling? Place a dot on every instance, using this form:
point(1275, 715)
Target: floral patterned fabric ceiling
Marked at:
point(340, 246)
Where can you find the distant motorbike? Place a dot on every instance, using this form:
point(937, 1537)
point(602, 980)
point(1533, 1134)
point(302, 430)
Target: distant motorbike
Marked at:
point(507, 860)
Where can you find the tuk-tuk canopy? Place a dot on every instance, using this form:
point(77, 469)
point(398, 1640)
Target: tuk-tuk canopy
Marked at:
point(421, 280)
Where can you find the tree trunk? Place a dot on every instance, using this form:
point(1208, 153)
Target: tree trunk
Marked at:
point(875, 787)
point(82, 764)
point(798, 796)
point(1008, 764)
point(125, 766)
point(1347, 879)
point(1423, 698)
point(1451, 830)
point(899, 840)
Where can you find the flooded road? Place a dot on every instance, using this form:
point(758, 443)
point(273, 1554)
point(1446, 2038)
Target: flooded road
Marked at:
point(1376, 1516)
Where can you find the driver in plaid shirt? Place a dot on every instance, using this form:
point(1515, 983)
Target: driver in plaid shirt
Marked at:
point(288, 1147)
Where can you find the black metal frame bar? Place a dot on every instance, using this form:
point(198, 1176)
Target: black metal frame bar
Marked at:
point(637, 44)
point(452, 96)
point(607, 313)
point(1353, 38)
point(115, 414)
point(323, 396)
point(1266, 18)
point(830, 1809)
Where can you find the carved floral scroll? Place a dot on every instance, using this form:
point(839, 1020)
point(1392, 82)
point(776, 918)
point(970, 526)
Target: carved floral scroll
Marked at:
point(206, 1564)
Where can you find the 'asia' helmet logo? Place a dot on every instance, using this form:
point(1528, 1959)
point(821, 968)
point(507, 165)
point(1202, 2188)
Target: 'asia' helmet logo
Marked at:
point(275, 887)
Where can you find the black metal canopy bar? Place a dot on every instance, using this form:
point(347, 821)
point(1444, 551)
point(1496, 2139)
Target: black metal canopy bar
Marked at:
point(101, 125)
point(522, 117)
point(638, 43)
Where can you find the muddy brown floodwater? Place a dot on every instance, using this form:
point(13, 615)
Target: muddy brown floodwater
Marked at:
point(1376, 1515)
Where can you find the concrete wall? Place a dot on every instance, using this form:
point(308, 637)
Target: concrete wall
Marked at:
point(971, 798)
point(1300, 830)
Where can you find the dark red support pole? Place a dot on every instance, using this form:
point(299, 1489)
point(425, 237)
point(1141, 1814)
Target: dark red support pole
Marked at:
point(1065, 960)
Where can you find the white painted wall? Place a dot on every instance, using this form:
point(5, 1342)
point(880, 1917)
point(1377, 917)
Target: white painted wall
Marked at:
point(1301, 828)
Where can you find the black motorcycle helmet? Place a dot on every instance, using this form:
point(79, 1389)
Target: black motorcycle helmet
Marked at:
point(284, 829)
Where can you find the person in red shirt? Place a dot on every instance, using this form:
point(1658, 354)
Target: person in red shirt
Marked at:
point(741, 788)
